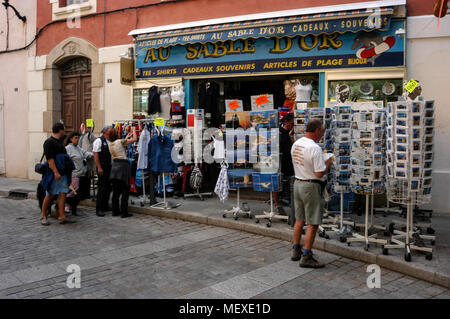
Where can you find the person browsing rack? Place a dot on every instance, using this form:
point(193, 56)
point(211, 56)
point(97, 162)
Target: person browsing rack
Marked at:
point(309, 167)
point(121, 171)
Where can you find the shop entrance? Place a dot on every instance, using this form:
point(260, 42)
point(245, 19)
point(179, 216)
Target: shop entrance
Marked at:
point(75, 93)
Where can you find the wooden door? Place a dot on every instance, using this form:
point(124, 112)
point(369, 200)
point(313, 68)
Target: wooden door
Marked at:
point(76, 100)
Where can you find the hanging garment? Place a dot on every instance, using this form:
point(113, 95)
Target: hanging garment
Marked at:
point(160, 154)
point(178, 95)
point(303, 92)
point(289, 90)
point(208, 99)
point(165, 103)
point(219, 149)
point(196, 178)
point(144, 139)
point(222, 185)
point(154, 101)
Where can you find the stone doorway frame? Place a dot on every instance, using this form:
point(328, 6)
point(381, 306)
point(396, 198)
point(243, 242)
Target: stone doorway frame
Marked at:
point(66, 50)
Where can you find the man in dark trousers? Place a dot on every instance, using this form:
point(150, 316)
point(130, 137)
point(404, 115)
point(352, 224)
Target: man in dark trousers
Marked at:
point(102, 158)
point(286, 141)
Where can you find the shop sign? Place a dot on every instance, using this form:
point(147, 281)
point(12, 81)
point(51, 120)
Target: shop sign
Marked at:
point(311, 52)
point(126, 71)
point(296, 27)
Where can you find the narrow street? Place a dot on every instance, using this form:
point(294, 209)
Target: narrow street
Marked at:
point(149, 257)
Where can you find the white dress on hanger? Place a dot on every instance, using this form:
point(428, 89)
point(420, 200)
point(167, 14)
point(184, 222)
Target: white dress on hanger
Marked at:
point(303, 92)
point(177, 95)
point(165, 104)
point(144, 139)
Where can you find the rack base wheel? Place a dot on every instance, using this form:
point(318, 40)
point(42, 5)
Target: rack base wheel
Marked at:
point(342, 239)
point(433, 242)
point(257, 221)
point(236, 218)
point(250, 216)
point(385, 251)
point(142, 204)
point(269, 225)
point(303, 231)
point(408, 257)
point(224, 215)
point(429, 256)
point(348, 244)
point(366, 247)
point(430, 231)
point(386, 233)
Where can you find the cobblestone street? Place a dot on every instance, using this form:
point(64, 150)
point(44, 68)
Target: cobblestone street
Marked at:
point(149, 257)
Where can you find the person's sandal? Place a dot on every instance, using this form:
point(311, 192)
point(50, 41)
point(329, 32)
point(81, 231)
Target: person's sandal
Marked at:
point(65, 221)
point(44, 221)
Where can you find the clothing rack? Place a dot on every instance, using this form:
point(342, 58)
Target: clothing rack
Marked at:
point(143, 199)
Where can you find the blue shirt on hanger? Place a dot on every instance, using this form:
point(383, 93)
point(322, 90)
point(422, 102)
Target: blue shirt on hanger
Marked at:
point(160, 154)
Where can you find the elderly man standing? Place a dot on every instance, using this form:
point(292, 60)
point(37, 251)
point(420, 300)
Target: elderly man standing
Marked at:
point(102, 158)
point(309, 167)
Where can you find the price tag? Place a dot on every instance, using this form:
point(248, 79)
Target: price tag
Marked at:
point(261, 100)
point(411, 85)
point(89, 122)
point(159, 121)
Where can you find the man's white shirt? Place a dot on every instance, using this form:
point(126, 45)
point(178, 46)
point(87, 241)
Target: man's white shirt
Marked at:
point(307, 158)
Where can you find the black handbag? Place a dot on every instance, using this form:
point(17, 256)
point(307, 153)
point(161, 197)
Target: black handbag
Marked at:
point(40, 168)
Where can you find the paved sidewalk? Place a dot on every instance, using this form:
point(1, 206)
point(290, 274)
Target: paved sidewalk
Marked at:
point(436, 271)
point(152, 257)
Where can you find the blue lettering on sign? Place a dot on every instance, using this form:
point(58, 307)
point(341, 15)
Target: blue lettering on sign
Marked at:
point(323, 51)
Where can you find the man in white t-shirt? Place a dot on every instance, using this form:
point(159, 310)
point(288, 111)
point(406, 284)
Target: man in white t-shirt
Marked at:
point(309, 167)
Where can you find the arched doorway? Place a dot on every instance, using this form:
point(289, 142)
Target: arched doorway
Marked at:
point(75, 92)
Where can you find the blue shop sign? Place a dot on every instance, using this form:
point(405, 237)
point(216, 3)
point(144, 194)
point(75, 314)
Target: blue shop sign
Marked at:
point(262, 55)
point(333, 22)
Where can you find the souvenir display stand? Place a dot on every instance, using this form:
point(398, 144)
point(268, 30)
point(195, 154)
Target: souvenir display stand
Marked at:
point(340, 140)
point(367, 162)
point(269, 183)
point(239, 178)
point(196, 126)
point(409, 169)
point(266, 174)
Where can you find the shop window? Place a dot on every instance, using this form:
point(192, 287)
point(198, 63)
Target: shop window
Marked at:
point(63, 9)
point(386, 90)
point(140, 103)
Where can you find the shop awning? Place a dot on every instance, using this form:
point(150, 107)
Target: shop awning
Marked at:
point(367, 19)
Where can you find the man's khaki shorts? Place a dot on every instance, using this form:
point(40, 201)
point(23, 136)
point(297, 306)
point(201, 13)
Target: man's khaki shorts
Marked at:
point(309, 202)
